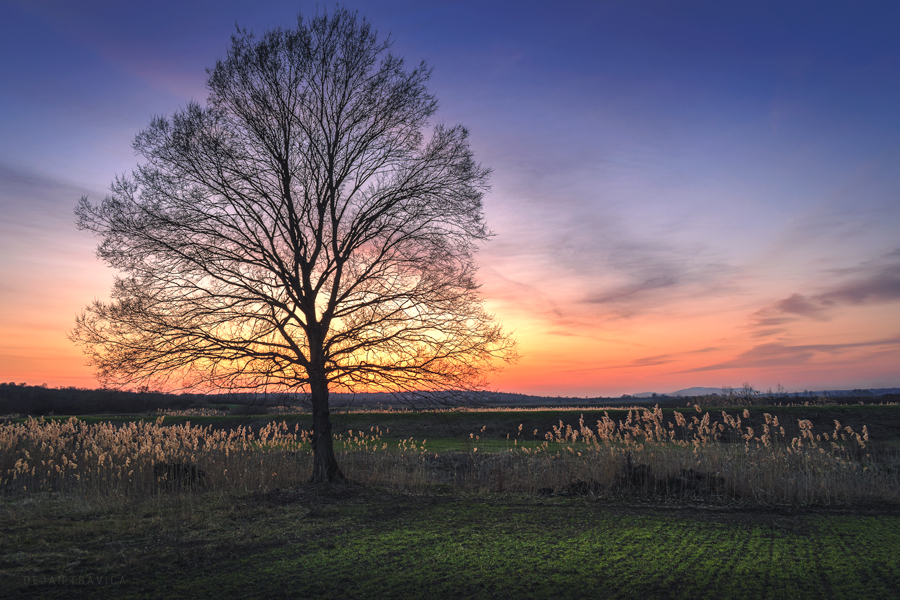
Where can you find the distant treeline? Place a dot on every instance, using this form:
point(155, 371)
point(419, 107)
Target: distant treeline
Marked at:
point(40, 400)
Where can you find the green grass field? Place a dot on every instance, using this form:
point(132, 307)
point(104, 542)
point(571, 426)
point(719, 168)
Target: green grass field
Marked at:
point(346, 541)
point(883, 421)
point(384, 540)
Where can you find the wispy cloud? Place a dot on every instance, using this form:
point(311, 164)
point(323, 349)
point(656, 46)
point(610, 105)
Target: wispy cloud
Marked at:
point(627, 274)
point(784, 355)
point(880, 286)
point(868, 284)
point(647, 361)
point(18, 181)
point(800, 305)
point(634, 292)
point(35, 204)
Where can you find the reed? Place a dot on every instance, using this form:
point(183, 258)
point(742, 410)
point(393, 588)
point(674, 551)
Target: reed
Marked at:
point(697, 457)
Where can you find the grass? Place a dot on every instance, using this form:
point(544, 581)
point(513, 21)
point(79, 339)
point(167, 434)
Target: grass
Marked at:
point(883, 421)
point(501, 509)
point(355, 542)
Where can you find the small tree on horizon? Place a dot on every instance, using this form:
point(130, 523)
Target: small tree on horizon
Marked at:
point(299, 232)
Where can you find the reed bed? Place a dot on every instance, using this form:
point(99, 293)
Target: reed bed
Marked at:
point(700, 457)
point(392, 410)
point(191, 412)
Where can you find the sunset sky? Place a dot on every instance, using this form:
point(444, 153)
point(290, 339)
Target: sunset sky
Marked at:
point(684, 193)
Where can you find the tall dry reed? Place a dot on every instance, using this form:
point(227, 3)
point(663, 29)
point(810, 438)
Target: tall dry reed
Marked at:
point(698, 457)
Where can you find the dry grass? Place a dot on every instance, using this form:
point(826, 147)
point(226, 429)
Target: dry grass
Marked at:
point(701, 457)
point(191, 412)
point(393, 410)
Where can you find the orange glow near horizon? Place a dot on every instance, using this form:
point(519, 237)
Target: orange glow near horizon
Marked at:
point(707, 343)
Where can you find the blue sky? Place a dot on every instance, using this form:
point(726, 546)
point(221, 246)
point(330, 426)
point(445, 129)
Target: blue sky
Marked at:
point(683, 193)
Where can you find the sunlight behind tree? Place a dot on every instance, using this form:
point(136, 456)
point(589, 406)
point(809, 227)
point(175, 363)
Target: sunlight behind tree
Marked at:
point(306, 229)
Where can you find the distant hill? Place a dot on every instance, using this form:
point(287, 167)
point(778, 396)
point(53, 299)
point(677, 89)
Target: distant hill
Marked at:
point(697, 391)
point(694, 391)
point(708, 391)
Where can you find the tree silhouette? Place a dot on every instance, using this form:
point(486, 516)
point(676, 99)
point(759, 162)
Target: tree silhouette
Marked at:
point(298, 232)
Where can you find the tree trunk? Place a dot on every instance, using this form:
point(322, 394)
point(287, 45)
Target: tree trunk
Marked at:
point(325, 467)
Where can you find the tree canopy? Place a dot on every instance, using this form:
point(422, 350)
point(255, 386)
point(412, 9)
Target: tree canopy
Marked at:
point(308, 228)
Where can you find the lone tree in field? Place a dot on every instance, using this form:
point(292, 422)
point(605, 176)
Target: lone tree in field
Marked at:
point(307, 230)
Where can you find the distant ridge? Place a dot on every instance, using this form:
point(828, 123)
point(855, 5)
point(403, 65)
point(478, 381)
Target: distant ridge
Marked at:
point(708, 391)
point(698, 391)
point(694, 391)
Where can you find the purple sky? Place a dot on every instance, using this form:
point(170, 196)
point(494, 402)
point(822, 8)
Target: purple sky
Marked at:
point(683, 193)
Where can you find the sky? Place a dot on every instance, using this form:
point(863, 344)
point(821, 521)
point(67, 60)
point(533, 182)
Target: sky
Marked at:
point(683, 193)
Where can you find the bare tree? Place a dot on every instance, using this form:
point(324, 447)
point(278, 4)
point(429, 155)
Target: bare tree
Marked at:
point(299, 231)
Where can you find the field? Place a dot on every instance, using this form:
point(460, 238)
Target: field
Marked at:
point(459, 505)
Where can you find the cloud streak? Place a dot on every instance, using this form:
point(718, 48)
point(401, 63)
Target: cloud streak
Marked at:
point(784, 355)
point(870, 285)
point(647, 361)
